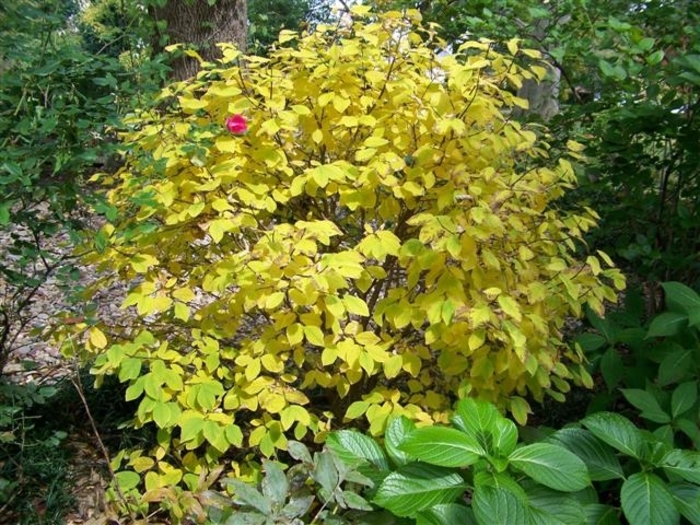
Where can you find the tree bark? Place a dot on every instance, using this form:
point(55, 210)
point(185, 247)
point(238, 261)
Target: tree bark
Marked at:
point(197, 23)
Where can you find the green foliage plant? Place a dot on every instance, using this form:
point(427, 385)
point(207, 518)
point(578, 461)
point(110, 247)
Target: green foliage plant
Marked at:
point(654, 365)
point(34, 466)
point(373, 237)
point(316, 489)
point(477, 472)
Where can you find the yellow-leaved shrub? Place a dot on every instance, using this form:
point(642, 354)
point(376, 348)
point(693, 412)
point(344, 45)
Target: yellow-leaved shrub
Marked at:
point(380, 241)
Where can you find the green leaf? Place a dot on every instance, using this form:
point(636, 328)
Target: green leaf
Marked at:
point(478, 419)
point(683, 463)
point(615, 430)
point(354, 448)
point(646, 500)
point(684, 398)
point(599, 514)
point(687, 499)
point(590, 342)
point(275, 486)
point(5, 208)
point(505, 437)
point(355, 501)
point(612, 367)
point(495, 502)
point(667, 324)
point(446, 513)
point(246, 495)
point(396, 432)
point(551, 507)
point(298, 506)
point(299, 451)
point(599, 458)
point(416, 487)
point(325, 472)
point(676, 365)
point(552, 466)
point(680, 298)
point(655, 58)
point(446, 447)
point(647, 404)
point(690, 429)
point(127, 480)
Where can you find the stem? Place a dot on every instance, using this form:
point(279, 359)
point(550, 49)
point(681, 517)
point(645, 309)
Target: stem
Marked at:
point(77, 383)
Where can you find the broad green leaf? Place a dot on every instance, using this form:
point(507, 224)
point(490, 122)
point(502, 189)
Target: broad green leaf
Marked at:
point(683, 463)
point(647, 404)
point(681, 298)
point(442, 446)
point(416, 487)
point(478, 419)
point(676, 365)
point(298, 506)
point(666, 324)
point(615, 430)
point(496, 502)
point(687, 499)
point(505, 437)
point(599, 458)
point(599, 514)
point(646, 500)
point(299, 451)
point(325, 472)
point(612, 368)
point(395, 434)
point(274, 484)
point(684, 398)
point(354, 448)
point(355, 501)
point(552, 507)
point(552, 466)
point(446, 513)
point(590, 342)
point(244, 494)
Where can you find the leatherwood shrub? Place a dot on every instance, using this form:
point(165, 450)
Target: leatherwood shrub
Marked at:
point(353, 227)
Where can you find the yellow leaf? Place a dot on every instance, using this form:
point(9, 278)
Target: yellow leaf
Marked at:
point(182, 311)
point(141, 262)
point(272, 402)
point(252, 370)
point(274, 300)
point(392, 366)
point(295, 334)
point(286, 35)
point(355, 305)
point(272, 363)
point(183, 294)
point(314, 335)
point(510, 307)
point(97, 338)
point(294, 414)
point(520, 409)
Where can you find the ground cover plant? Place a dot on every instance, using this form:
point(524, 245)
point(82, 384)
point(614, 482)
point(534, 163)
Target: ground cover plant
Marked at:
point(351, 229)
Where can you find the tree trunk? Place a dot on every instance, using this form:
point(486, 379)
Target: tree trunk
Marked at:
point(542, 96)
point(197, 23)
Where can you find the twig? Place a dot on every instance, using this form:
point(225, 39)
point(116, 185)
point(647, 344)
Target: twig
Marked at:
point(77, 383)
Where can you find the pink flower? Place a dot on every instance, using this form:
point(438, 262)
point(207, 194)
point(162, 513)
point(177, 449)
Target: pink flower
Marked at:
point(237, 124)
